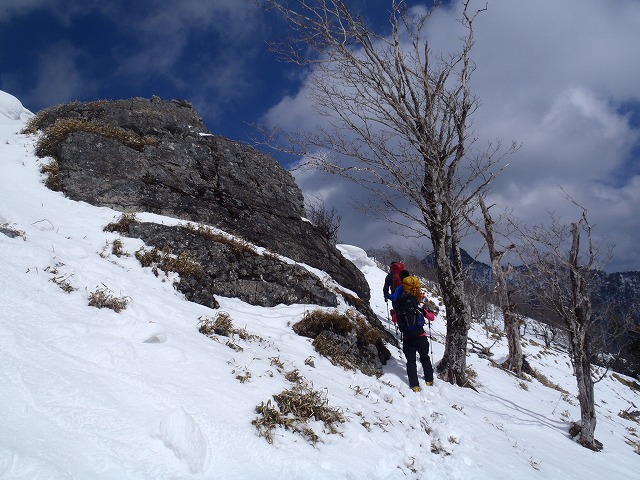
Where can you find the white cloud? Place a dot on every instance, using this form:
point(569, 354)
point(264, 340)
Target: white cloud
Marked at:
point(554, 76)
point(11, 8)
point(59, 76)
point(199, 48)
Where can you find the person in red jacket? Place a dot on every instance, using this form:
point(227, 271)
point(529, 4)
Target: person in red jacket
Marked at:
point(393, 279)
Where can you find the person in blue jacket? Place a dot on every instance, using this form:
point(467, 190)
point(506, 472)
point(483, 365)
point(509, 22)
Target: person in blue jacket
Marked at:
point(396, 294)
point(414, 342)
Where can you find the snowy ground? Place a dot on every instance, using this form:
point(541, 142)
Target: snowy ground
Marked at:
point(88, 393)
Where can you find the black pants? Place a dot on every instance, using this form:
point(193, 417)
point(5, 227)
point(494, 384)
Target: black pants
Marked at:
point(419, 345)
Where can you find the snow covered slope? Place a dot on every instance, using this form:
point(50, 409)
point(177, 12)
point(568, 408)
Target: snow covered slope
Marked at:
point(89, 393)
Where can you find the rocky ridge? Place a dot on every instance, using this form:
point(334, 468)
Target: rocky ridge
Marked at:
point(157, 156)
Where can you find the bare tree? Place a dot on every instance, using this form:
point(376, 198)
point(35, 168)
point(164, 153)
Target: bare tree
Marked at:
point(396, 120)
point(611, 336)
point(325, 220)
point(547, 332)
point(562, 275)
point(479, 301)
point(514, 360)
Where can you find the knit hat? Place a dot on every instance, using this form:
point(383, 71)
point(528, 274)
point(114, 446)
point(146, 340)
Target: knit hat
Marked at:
point(412, 285)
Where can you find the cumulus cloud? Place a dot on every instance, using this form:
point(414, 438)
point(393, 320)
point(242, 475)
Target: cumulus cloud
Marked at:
point(59, 75)
point(554, 76)
point(203, 50)
point(11, 8)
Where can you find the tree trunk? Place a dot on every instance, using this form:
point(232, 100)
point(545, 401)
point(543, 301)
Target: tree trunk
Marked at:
point(453, 365)
point(514, 361)
point(454, 361)
point(580, 347)
point(393, 108)
point(582, 370)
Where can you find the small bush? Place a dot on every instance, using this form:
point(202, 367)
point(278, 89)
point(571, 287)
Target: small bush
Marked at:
point(221, 325)
point(117, 248)
point(61, 280)
point(633, 415)
point(546, 382)
point(346, 339)
point(63, 283)
point(270, 419)
point(304, 402)
point(46, 115)
point(634, 444)
point(52, 171)
point(238, 246)
point(102, 298)
point(234, 346)
point(293, 376)
point(276, 362)
point(326, 221)
point(184, 263)
point(295, 408)
point(438, 449)
point(317, 321)
point(57, 133)
point(122, 224)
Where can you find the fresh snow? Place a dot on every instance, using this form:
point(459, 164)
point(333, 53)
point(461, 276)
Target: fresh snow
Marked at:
point(88, 393)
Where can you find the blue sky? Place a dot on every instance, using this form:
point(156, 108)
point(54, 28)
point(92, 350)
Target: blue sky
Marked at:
point(559, 77)
point(209, 52)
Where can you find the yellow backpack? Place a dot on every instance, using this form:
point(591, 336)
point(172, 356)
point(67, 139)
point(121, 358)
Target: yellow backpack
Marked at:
point(412, 285)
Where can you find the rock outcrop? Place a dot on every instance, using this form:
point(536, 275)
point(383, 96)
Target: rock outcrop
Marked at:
point(164, 160)
point(157, 156)
point(230, 268)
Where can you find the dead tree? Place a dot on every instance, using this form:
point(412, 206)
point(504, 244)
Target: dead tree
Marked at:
point(547, 332)
point(563, 282)
point(326, 221)
point(514, 361)
point(395, 118)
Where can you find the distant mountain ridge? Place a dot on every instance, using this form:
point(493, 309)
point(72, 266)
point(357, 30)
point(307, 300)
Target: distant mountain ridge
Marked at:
point(621, 287)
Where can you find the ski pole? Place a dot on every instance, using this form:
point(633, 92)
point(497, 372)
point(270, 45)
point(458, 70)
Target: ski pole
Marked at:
point(430, 343)
point(388, 319)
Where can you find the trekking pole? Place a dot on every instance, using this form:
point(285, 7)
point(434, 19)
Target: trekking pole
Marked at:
point(430, 343)
point(389, 321)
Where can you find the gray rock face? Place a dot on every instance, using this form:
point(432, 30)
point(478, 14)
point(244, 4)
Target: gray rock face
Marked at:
point(185, 172)
point(234, 270)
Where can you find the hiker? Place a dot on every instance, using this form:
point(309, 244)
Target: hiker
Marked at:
point(411, 317)
point(397, 290)
point(393, 279)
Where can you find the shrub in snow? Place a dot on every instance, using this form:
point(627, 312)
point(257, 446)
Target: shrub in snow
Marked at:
point(346, 339)
point(101, 298)
point(122, 224)
point(57, 133)
point(222, 325)
point(295, 408)
point(12, 232)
